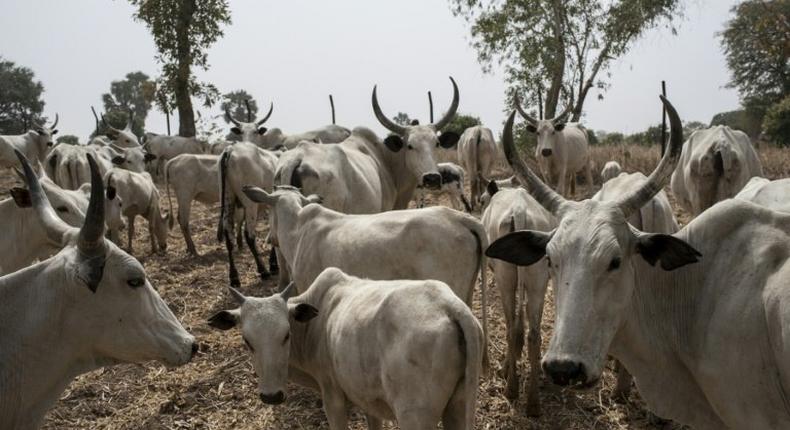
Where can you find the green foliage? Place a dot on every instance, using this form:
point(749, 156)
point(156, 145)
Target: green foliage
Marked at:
point(742, 119)
point(402, 118)
point(234, 102)
point(20, 98)
point(183, 30)
point(557, 46)
point(613, 138)
point(593, 138)
point(776, 124)
point(68, 139)
point(133, 93)
point(461, 122)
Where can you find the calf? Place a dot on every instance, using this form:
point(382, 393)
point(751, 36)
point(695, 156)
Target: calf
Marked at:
point(90, 305)
point(477, 153)
point(610, 170)
point(161, 148)
point(34, 144)
point(452, 185)
point(509, 210)
point(140, 198)
point(372, 344)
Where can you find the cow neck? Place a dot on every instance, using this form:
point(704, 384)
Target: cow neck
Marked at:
point(39, 356)
point(290, 217)
point(398, 188)
point(21, 238)
point(308, 340)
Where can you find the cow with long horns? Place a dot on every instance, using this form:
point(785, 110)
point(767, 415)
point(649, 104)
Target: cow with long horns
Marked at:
point(90, 305)
point(688, 333)
point(563, 149)
point(125, 137)
point(34, 144)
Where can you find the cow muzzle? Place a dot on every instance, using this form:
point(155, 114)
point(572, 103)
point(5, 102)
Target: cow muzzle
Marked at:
point(432, 181)
point(273, 399)
point(546, 152)
point(565, 372)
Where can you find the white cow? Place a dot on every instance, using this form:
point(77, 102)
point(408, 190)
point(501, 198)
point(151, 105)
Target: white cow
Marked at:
point(716, 163)
point(88, 306)
point(164, 148)
point(771, 194)
point(242, 164)
point(477, 153)
point(67, 165)
point(34, 144)
point(494, 186)
point(408, 351)
point(705, 342)
point(452, 186)
point(194, 177)
point(140, 198)
point(362, 175)
point(563, 150)
point(610, 170)
point(125, 138)
point(512, 209)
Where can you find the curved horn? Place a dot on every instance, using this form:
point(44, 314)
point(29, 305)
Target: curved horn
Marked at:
point(231, 119)
point(522, 112)
point(96, 118)
point(54, 227)
point(55, 124)
point(249, 111)
point(238, 297)
point(271, 108)
point(91, 238)
point(547, 197)
point(448, 116)
point(131, 120)
point(630, 203)
point(106, 124)
point(561, 117)
point(386, 122)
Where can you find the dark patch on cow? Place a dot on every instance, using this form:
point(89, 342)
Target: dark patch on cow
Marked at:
point(448, 176)
point(448, 139)
point(21, 197)
point(415, 122)
point(718, 163)
point(53, 162)
point(671, 251)
point(300, 172)
point(492, 188)
point(118, 160)
point(522, 248)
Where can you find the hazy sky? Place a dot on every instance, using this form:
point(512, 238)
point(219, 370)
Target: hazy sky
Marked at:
point(296, 52)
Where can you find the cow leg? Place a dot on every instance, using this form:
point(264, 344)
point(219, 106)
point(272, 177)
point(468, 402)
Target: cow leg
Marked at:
point(183, 222)
point(240, 235)
point(274, 267)
point(373, 422)
point(130, 235)
point(473, 190)
point(514, 322)
point(454, 415)
point(536, 281)
point(623, 387)
point(589, 177)
point(335, 408)
point(228, 226)
point(563, 176)
point(249, 236)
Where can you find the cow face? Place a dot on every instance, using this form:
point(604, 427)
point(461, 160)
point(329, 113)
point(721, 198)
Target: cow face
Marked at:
point(70, 206)
point(132, 159)
point(417, 144)
point(124, 138)
point(267, 325)
point(549, 136)
point(252, 131)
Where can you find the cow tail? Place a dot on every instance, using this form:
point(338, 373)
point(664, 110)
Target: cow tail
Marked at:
point(223, 167)
point(482, 244)
point(475, 353)
point(170, 217)
point(287, 175)
point(519, 222)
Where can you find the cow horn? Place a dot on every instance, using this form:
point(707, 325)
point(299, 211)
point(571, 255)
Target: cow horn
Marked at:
point(547, 197)
point(91, 238)
point(106, 124)
point(55, 124)
point(450, 114)
point(632, 202)
point(131, 120)
point(288, 291)
point(386, 122)
point(271, 108)
point(231, 119)
point(522, 112)
point(54, 227)
point(249, 111)
point(96, 118)
point(238, 297)
point(561, 117)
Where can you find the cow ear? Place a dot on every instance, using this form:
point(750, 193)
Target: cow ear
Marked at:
point(394, 142)
point(448, 139)
point(21, 197)
point(111, 192)
point(314, 198)
point(302, 312)
point(260, 196)
point(118, 160)
point(225, 320)
point(148, 157)
point(559, 127)
point(522, 248)
point(492, 188)
point(54, 132)
point(531, 128)
point(262, 130)
point(671, 251)
point(235, 130)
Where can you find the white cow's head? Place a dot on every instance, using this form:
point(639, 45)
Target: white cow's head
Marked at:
point(131, 158)
point(44, 135)
point(69, 206)
point(548, 131)
point(285, 202)
point(109, 302)
point(590, 254)
point(251, 131)
point(266, 329)
point(420, 141)
point(124, 138)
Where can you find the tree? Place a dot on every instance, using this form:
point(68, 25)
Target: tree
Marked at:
point(756, 43)
point(134, 93)
point(402, 118)
point(461, 122)
point(20, 98)
point(747, 121)
point(557, 47)
point(776, 124)
point(68, 139)
point(236, 103)
point(183, 30)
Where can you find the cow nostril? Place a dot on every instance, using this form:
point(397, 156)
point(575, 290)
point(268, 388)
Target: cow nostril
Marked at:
point(546, 152)
point(273, 399)
point(565, 372)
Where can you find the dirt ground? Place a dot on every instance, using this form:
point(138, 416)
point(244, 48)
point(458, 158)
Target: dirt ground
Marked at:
point(217, 389)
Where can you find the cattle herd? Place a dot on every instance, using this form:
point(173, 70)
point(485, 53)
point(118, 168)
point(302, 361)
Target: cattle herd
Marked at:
point(374, 302)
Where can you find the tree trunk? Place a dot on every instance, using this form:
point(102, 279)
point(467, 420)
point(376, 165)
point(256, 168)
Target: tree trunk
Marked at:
point(553, 94)
point(186, 117)
point(585, 89)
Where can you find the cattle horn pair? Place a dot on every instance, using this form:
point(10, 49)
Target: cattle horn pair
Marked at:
point(51, 127)
point(628, 203)
point(556, 120)
point(401, 130)
point(90, 241)
point(258, 123)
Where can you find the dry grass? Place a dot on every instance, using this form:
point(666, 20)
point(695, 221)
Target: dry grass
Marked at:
point(217, 390)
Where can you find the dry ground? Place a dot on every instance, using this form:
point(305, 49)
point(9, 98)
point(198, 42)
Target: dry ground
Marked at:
point(217, 390)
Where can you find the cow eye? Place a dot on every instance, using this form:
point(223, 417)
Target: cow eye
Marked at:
point(548, 260)
point(62, 209)
point(614, 264)
point(410, 146)
point(246, 342)
point(287, 336)
point(136, 282)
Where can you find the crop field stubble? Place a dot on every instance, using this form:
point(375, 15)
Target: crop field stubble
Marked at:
point(217, 390)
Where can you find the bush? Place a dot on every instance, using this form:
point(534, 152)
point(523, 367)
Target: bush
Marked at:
point(776, 124)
